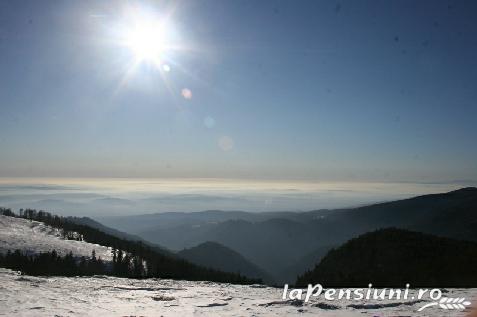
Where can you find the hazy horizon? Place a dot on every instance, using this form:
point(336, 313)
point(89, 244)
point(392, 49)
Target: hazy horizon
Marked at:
point(111, 197)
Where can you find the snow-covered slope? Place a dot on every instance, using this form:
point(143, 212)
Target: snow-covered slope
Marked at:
point(22, 295)
point(36, 237)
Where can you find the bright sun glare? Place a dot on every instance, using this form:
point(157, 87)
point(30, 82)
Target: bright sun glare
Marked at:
point(151, 40)
point(147, 40)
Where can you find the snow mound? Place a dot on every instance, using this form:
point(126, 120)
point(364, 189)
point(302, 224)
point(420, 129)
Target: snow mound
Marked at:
point(35, 237)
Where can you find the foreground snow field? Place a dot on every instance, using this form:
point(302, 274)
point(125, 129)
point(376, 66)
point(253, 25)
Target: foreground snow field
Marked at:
point(36, 237)
point(22, 295)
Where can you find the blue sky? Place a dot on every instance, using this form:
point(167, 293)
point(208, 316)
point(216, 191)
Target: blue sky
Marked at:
point(315, 90)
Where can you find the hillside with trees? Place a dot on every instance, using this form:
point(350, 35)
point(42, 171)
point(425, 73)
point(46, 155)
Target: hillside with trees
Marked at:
point(130, 258)
point(394, 257)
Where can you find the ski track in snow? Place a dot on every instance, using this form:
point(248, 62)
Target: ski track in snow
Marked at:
point(36, 237)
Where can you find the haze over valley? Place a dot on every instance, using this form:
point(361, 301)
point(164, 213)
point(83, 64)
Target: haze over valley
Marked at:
point(115, 197)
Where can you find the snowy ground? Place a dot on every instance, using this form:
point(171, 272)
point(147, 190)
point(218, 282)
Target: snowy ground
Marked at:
point(110, 296)
point(36, 237)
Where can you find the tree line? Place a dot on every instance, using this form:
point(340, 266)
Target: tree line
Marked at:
point(51, 263)
point(132, 259)
point(394, 257)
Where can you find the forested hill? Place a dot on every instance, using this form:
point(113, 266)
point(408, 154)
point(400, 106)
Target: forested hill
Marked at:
point(86, 221)
point(393, 258)
point(130, 258)
point(217, 256)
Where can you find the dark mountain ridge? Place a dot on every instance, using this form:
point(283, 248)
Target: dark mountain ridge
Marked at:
point(394, 257)
point(216, 256)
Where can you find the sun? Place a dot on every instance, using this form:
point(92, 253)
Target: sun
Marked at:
point(149, 44)
point(147, 40)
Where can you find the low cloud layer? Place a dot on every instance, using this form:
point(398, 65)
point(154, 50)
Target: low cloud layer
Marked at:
point(106, 197)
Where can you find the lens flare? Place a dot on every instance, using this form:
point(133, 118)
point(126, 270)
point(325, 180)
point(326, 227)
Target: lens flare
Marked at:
point(226, 143)
point(209, 122)
point(186, 93)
